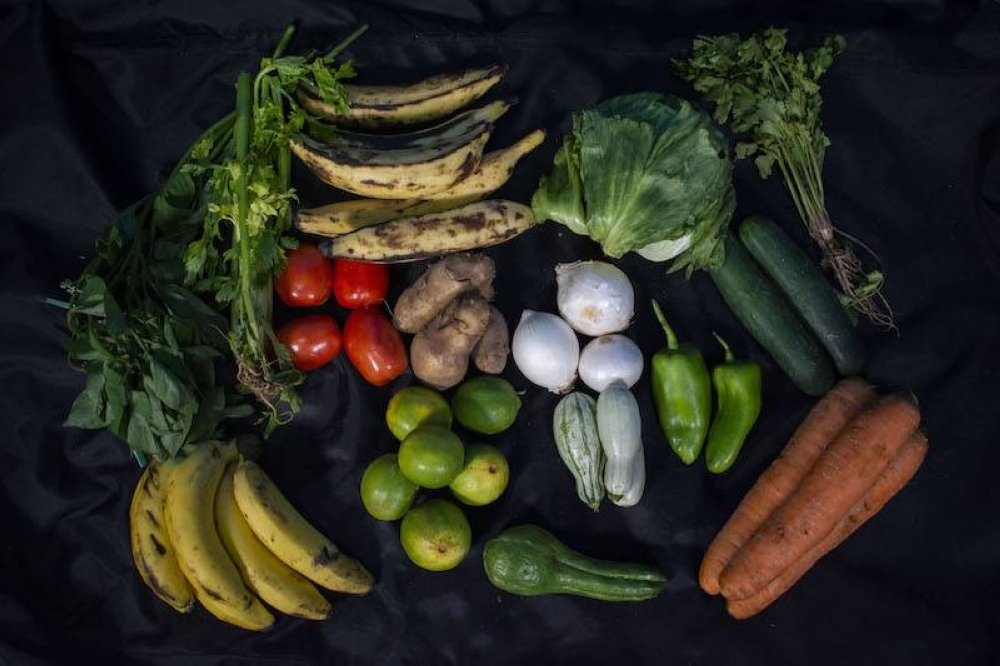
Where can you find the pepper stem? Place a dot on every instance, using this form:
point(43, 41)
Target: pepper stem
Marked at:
point(725, 346)
point(671, 337)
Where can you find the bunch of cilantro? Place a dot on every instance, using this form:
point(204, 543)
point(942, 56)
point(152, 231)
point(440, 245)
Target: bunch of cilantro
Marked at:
point(182, 279)
point(770, 96)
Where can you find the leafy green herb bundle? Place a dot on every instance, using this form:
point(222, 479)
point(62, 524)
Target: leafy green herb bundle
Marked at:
point(771, 97)
point(147, 317)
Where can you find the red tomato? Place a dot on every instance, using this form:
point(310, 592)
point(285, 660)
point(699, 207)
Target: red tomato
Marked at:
point(359, 283)
point(374, 346)
point(307, 279)
point(314, 341)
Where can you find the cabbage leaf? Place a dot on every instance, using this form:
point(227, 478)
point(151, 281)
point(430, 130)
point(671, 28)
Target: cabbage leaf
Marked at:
point(646, 173)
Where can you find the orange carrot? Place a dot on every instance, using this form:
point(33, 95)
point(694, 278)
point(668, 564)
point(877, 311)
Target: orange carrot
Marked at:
point(897, 474)
point(824, 422)
point(840, 477)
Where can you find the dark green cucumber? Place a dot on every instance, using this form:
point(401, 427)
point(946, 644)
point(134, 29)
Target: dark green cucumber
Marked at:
point(529, 561)
point(804, 285)
point(771, 320)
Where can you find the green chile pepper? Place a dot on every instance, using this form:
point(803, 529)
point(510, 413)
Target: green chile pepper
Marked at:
point(737, 398)
point(682, 393)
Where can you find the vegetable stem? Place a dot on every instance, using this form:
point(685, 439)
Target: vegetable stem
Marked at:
point(671, 337)
point(339, 48)
point(221, 126)
point(242, 133)
point(286, 38)
point(725, 348)
point(284, 164)
point(55, 302)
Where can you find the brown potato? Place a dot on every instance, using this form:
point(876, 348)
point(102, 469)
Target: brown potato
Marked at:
point(490, 355)
point(440, 352)
point(441, 284)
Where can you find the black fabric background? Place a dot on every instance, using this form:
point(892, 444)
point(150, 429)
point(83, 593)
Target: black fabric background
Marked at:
point(99, 99)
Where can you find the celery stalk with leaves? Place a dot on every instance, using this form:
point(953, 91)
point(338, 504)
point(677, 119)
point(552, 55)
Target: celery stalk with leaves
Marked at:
point(243, 244)
point(148, 315)
point(771, 98)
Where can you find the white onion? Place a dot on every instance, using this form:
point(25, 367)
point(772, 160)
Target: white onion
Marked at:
point(609, 359)
point(546, 350)
point(594, 297)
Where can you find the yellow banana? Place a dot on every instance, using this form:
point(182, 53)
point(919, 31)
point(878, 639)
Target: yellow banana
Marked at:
point(152, 551)
point(273, 581)
point(469, 227)
point(190, 520)
point(393, 181)
point(494, 170)
point(344, 217)
point(252, 620)
point(387, 146)
point(291, 538)
point(413, 166)
point(379, 107)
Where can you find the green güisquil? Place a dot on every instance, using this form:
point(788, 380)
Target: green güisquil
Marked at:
point(528, 560)
point(574, 427)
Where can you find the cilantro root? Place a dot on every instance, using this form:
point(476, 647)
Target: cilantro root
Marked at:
point(260, 382)
point(862, 291)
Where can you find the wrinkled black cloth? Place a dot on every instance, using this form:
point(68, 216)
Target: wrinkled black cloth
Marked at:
point(100, 99)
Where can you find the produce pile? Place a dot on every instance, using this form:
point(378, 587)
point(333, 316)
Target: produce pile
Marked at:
point(682, 393)
point(213, 528)
point(853, 452)
point(770, 96)
point(425, 185)
point(435, 534)
point(179, 302)
point(448, 310)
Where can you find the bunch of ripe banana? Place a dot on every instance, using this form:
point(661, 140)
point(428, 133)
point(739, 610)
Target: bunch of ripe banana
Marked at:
point(424, 187)
point(214, 528)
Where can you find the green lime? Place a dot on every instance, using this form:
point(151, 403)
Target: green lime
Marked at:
point(484, 476)
point(431, 456)
point(385, 492)
point(486, 404)
point(416, 406)
point(435, 535)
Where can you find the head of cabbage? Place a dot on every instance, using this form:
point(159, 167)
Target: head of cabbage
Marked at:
point(645, 173)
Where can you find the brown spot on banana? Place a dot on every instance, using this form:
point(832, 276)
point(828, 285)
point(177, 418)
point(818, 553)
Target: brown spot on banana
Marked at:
point(152, 481)
point(209, 592)
point(469, 165)
point(161, 550)
point(389, 185)
point(325, 556)
point(157, 586)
